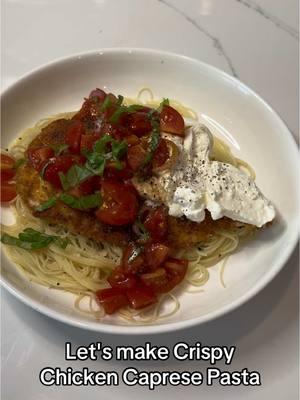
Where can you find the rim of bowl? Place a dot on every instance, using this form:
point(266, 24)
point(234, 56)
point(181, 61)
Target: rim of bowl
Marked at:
point(171, 326)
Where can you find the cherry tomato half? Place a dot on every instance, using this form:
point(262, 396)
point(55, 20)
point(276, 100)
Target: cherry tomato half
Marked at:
point(156, 254)
point(6, 161)
point(7, 174)
point(156, 280)
point(171, 121)
point(141, 296)
point(136, 156)
point(120, 204)
point(38, 156)
point(139, 123)
point(120, 279)
point(55, 166)
point(132, 140)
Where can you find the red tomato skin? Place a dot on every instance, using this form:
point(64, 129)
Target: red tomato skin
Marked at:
point(121, 280)
point(120, 204)
point(132, 140)
point(141, 296)
point(56, 165)
point(38, 156)
point(8, 192)
point(139, 123)
point(112, 299)
point(156, 223)
point(73, 136)
point(171, 121)
point(7, 174)
point(156, 254)
point(87, 141)
point(7, 162)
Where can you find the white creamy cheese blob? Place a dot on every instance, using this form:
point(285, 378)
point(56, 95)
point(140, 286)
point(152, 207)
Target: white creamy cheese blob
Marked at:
point(197, 183)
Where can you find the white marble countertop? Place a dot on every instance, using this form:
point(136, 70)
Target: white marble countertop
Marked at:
point(257, 41)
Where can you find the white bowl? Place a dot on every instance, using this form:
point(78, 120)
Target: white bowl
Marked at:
point(230, 109)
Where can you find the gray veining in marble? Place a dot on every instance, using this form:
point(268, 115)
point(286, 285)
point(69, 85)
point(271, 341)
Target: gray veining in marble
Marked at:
point(216, 42)
point(267, 15)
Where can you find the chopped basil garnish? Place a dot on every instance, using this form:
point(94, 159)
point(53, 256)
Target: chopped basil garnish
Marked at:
point(154, 138)
point(80, 203)
point(165, 102)
point(47, 204)
point(30, 239)
point(96, 164)
point(100, 145)
point(96, 161)
point(58, 148)
point(83, 202)
point(106, 103)
point(124, 109)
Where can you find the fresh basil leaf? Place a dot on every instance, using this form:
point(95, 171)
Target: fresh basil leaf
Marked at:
point(58, 148)
point(13, 241)
point(82, 203)
point(64, 181)
point(100, 145)
point(120, 100)
point(124, 109)
point(106, 103)
point(30, 239)
point(47, 204)
point(77, 174)
point(118, 165)
point(29, 235)
point(165, 102)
